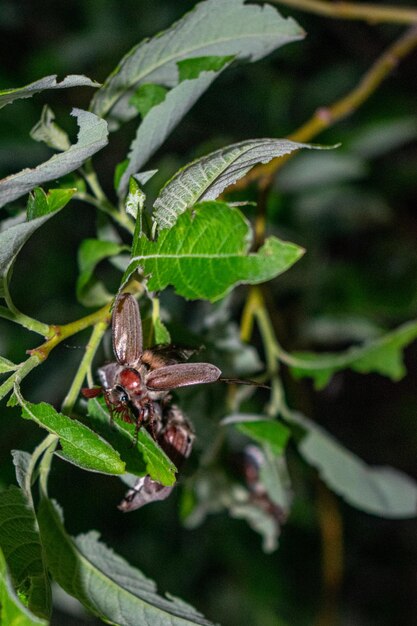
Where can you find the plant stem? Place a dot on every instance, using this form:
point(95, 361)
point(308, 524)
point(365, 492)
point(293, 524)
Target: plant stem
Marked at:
point(22, 371)
point(84, 367)
point(45, 464)
point(100, 200)
point(331, 529)
point(246, 324)
point(121, 218)
point(92, 180)
point(67, 330)
point(36, 455)
point(327, 116)
point(354, 11)
point(14, 315)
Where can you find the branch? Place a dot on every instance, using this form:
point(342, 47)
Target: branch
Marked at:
point(67, 330)
point(84, 367)
point(327, 116)
point(353, 11)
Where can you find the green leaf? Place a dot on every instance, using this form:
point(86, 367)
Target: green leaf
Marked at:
point(7, 96)
point(22, 462)
point(11, 242)
point(207, 177)
point(161, 332)
point(146, 458)
point(161, 120)
point(189, 69)
point(6, 365)
point(104, 582)
point(206, 254)
point(48, 132)
point(92, 136)
point(21, 546)
point(80, 445)
point(12, 611)
point(381, 491)
point(40, 203)
point(262, 430)
point(214, 27)
point(147, 96)
point(90, 291)
point(383, 355)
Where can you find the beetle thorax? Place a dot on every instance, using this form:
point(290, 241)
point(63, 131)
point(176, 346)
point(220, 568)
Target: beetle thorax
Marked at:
point(131, 380)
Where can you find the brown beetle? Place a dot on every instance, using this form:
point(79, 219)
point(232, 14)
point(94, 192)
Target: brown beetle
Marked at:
point(134, 385)
point(175, 436)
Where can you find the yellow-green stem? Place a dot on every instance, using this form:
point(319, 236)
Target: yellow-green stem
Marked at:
point(372, 13)
point(84, 367)
point(67, 330)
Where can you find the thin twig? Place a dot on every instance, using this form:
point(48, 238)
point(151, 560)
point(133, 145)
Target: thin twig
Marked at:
point(84, 367)
point(354, 11)
point(327, 116)
point(67, 330)
point(331, 529)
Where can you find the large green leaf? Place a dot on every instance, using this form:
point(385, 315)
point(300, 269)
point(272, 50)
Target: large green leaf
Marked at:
point(144, 458)
point(213, 27)
point(104, 582)
point(207, 177)
point(382, 491)
point(206, 253)
point(48, 82)
point(383, 355)
point(12, 611)
point(80, 445)
point(20, 544)
point(92, 136)
point(161, 120)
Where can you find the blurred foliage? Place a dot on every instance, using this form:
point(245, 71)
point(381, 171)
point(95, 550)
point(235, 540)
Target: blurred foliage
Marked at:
point(354, 212)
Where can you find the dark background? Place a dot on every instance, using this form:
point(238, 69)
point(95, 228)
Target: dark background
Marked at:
point(358, 223)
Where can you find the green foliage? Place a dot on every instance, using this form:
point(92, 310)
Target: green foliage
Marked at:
point(190, 256)
point(48, 132)
point(11, 242)
point(40, 203)
point(12, 611)
point(145, 458)
point(148, 96)
point(383, 356)
point(7, 96)
point(243, 31)
point(206, 178)
point(90, 291)
point(21, 547)
point(188, 231)
point(381, 491)
point(80, 445)
point(92, 136)
point(264, 431)
point(103, 581)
